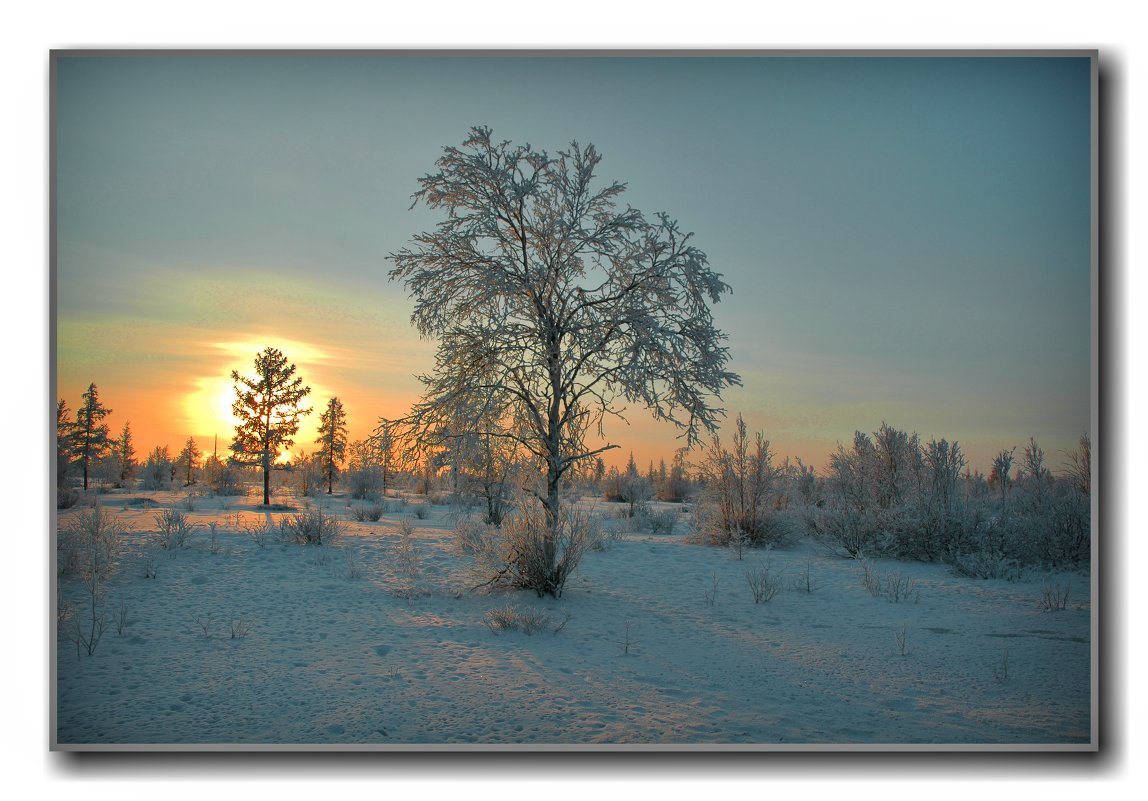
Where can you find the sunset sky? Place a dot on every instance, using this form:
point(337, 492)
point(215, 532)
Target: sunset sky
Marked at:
point(908, 239)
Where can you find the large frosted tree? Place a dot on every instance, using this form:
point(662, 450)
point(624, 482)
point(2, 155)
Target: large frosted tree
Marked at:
point(554, 306)
point(267, 407)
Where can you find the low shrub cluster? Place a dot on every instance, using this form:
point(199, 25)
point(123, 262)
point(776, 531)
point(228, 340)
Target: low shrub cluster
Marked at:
point(514, 618)
point(889, 495)
point(368, 512)
point(526, 553)
point(310, 527)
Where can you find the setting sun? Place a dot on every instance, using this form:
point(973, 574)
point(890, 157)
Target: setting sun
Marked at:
point(209, 408)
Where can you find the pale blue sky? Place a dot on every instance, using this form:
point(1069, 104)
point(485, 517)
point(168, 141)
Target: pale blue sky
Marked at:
point(908, 239)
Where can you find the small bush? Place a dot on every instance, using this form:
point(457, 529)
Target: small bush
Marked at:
point(846, 531)
point(310, 527)
point(421, 511)
point(371, 512)
point(605, 537)
point(661, 522)
point(227, 482)
point(514, 618)
point(985, 565)
point(524, 553)
point(120, 617)
point(804, 580)
point(710, 593)
point(91, 553)
point(898, 587)
point(66, 498)
point(258, 531)
point(174, 532)
point(763, 584)
point(902, 636)
point(407, 555)
point(150, 567)
point(893, 587)
point(1054, 597)
point(468, 536)
point(352, 569)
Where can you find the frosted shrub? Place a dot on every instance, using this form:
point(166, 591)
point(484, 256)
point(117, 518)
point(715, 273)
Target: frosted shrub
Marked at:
point(661, 522)
point(1069, 535)
point(258, 532)
point(514, 618)
point(406, 565)
point(1054, 597)
point(371, 512)
point(804, 581)
point(240, 628)
point(892, 586)
point(984, 564)
point(173, 530)
point(468, 536)
point(92, 553)
point(606, 536)
point(223, 479)
point(739, 491)
point(846, 531)
point(310, 527)
point(763, 583)
point(365, 481)
point(406, 554)
point(898, 587)
point(89, 544)
point(66, 497)
point(155, 473)
point(635, 491)
point(525, 553)
point(1052, 530)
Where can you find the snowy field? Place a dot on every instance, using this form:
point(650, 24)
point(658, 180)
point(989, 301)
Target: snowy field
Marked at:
point(655, 641)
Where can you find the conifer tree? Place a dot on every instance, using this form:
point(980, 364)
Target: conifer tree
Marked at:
point(188, 458)
point(332, 440)
point(269, 413)
point(125, 453)
point(90, 436)
point(65, 430)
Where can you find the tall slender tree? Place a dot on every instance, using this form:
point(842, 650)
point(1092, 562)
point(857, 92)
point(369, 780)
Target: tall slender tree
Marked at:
point(332, 440)
point(125, 453)
point(90, 435)
point(267, 407)
point(188, 458)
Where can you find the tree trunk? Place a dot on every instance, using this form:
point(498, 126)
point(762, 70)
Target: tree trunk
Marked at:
point(266, 479)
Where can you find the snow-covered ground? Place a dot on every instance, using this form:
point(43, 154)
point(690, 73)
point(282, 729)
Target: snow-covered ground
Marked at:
point(658, 641)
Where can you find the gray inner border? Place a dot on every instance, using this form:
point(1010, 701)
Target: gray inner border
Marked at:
point(1108, 230)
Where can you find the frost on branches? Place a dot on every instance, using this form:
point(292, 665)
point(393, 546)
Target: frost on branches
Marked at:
point(554, 307)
